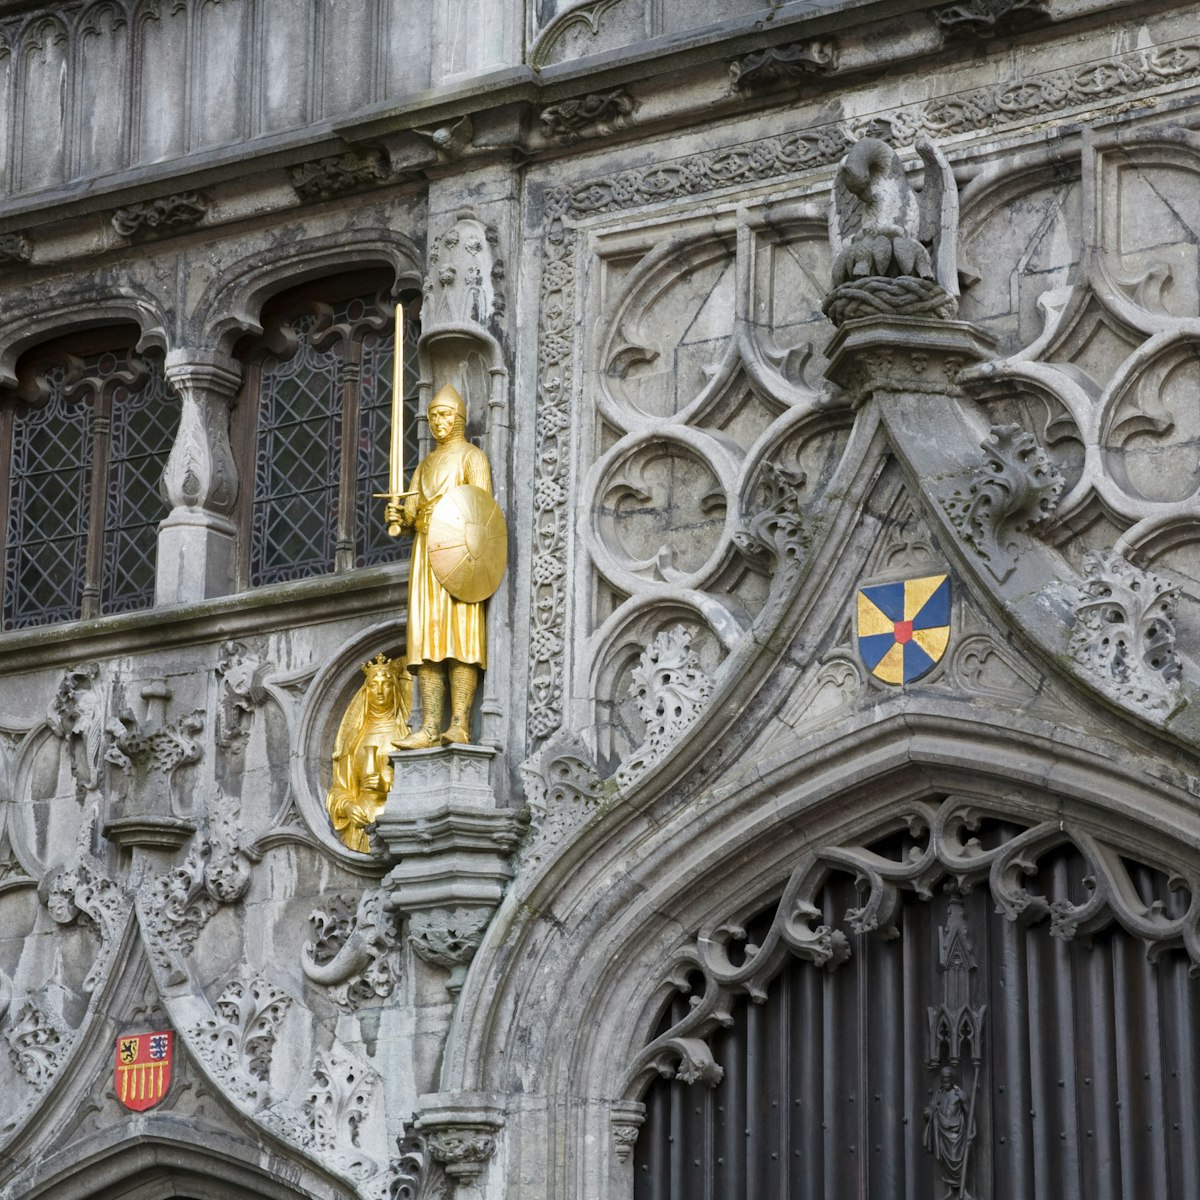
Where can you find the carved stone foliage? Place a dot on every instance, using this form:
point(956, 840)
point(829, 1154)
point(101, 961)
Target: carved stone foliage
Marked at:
point(83, 893)
point(449, 938)
point(77, 715)
point(779, 528)
point(1016, 491)
point(15, 250)
point(325, 177)
point(37, 1042)
point(415, 1174)
point(353, 953)
point(601, 111)
point(562, 789)
point(167, 214)
point(463, 284)
point(175, 907)
point(463, 1150)
point(241, 677)
point(946, 850)
point(336, 1105)
point(670, 690)
point(782, 64)
point(237, 1041)
point(1124, 633)
point(986, 18)
point(627, 1118)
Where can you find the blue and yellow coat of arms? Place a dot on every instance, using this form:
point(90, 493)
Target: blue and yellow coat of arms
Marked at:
point(904, 627)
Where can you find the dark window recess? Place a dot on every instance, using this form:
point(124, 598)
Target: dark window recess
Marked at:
point(83, 443)
point(316, 410)
point(1086, 1083)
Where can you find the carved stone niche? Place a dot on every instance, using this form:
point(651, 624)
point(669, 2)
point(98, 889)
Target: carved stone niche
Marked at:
point(451, 846)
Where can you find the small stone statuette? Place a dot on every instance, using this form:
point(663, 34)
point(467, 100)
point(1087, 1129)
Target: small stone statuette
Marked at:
point(375, 721)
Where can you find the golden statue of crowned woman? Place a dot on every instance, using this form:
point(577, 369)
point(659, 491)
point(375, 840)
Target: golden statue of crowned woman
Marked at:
point(459, 553)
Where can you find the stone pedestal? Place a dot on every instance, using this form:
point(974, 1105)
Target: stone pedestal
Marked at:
point(451, 846)
point(873, 355)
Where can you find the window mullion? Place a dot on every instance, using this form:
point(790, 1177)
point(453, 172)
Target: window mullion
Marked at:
point(6, 452)
point(97, 495)
point(347, 466)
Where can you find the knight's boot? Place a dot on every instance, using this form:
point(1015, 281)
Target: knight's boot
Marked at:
point(431, 683)
point(463, 678)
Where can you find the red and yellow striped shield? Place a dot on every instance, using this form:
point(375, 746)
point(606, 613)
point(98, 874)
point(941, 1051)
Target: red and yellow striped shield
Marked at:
point(143, 1071)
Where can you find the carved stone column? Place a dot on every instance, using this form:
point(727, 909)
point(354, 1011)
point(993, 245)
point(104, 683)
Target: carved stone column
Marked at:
point(460, 1130)
point(196, 542)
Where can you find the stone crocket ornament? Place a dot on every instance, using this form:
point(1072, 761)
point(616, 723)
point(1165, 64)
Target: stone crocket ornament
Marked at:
point(458, 558)
point(374, 722)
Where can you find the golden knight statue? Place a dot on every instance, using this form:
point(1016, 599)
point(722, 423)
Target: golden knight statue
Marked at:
point(458, 556)
point(375, 721)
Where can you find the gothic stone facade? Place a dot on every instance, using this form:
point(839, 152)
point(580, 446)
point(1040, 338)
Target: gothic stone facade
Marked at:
point(701, 785)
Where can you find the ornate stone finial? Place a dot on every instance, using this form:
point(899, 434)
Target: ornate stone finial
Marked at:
point(1016, 491)
point(894, 253)
point(1124, 633)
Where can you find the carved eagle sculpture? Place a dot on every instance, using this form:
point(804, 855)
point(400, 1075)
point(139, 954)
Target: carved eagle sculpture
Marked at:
point(880, 227)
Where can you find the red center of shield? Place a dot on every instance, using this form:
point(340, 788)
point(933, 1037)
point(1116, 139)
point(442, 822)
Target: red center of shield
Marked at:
point(903, 632)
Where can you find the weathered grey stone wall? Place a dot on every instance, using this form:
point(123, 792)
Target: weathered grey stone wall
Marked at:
point(697, 478)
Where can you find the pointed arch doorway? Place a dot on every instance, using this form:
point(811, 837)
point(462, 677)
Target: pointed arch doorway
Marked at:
point(960, 1007)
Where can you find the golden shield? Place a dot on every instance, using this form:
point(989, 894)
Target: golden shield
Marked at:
point(467, 543)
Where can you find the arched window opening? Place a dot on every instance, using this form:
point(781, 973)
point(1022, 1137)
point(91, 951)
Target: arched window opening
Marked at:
point(313, 427)
point(956, 1051)
point(84, 438)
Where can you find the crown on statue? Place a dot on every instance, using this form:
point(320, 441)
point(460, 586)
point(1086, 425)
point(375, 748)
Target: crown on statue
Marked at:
point(379, 665)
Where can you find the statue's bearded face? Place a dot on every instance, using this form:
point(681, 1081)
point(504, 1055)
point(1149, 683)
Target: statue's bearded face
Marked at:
point(441, 421)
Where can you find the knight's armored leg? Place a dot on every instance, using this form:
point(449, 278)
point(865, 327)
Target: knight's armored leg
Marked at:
point(463, 678)
point(431, 683)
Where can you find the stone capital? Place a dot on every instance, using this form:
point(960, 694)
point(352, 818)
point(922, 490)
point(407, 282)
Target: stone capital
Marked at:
point(460, 1130)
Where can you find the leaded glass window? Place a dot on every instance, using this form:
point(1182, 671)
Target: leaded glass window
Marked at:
point(83, 443)
point(316, 414)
